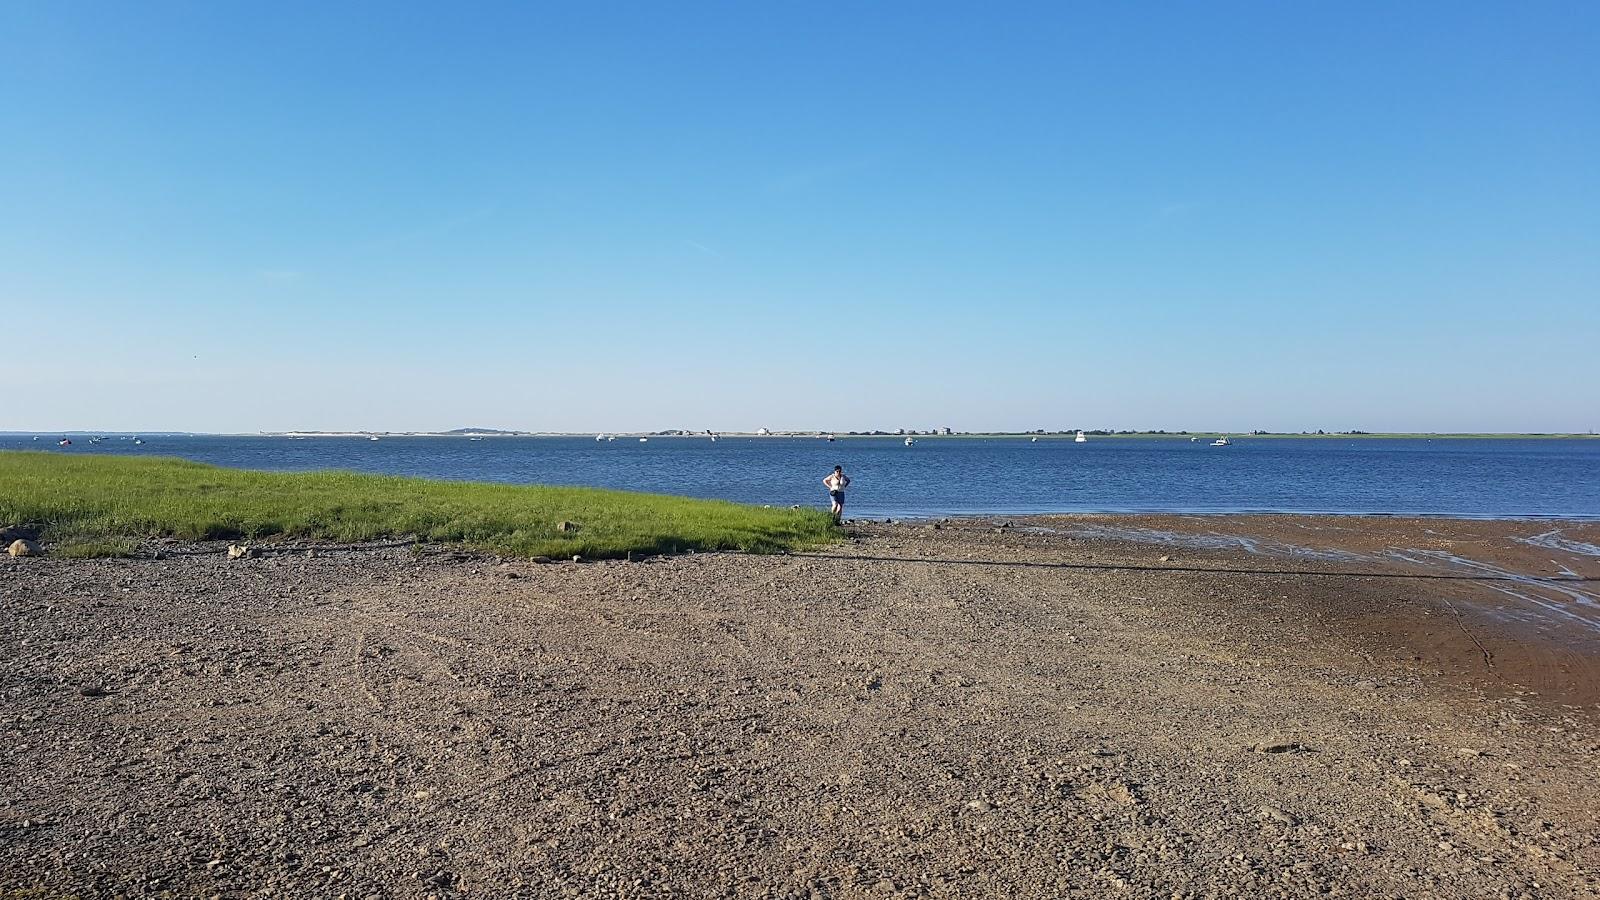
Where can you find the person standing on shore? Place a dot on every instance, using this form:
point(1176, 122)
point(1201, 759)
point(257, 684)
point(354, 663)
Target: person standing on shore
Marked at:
point(836, 482)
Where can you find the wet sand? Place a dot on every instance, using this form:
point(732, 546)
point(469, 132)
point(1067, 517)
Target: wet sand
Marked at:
point(1508, 604)
point(1057, 708)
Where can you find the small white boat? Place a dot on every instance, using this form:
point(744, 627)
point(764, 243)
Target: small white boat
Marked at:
point(644, 440)
point(1080, 439)
point(373, 438)
point(910, 442)
point(474, 439)
point(64, 442)
point(1222, 442)
point(831, 438)
point(1194, 440)
point(138, 440)
point(599, 437)
point(1033, 440)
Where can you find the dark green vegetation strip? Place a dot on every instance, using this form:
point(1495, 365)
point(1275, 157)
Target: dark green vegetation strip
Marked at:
point(96, 505)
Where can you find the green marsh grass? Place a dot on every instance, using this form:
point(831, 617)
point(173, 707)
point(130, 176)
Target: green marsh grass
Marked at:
point(100, 505)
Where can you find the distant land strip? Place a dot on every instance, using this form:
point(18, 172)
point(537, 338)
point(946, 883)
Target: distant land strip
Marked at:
point(1068, 434)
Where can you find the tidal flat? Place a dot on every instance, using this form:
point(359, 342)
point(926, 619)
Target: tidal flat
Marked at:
point(1066, 706)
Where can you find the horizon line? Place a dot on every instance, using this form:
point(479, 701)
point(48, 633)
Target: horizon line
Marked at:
point(776, 432)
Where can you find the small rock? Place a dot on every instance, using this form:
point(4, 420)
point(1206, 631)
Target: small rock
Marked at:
point(1469, 752)
point(92, 690)
point(1273, 813)
point(1432, 800)
point(23, 547)
point(1166, 559)
point(513, 575)
point(567, 526)
point(1276, 747)
point(240, 551)
point(979, 805)
point(539, 559)
point(577, 558)
point(311, 554)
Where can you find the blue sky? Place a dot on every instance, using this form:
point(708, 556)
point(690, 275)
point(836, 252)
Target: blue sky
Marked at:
point(591, 216)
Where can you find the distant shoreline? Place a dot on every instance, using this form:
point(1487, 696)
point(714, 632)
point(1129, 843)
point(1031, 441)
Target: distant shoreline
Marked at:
point(840, 435)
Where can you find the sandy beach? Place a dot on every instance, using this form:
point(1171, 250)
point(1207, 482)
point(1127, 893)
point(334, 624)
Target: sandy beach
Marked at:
point(1143, 706)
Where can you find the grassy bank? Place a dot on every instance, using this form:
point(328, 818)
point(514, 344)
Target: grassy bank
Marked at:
point(99, 505)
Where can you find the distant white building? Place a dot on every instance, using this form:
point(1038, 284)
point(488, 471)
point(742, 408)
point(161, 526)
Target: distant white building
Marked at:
point(944, 430)
point(762, 431)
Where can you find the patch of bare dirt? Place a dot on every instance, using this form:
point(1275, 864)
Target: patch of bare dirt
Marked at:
point(929, 713)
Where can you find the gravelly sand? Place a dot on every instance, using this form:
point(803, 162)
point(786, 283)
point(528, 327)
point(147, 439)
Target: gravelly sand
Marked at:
point(956, 712)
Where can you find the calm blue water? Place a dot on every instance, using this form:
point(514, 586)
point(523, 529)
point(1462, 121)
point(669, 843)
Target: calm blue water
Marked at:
point(1487, 478)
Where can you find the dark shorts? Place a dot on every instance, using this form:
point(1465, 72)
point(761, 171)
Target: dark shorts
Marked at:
point(838, 497)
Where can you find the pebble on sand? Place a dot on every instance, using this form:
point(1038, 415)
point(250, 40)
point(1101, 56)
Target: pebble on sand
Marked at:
point(1274, 814)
